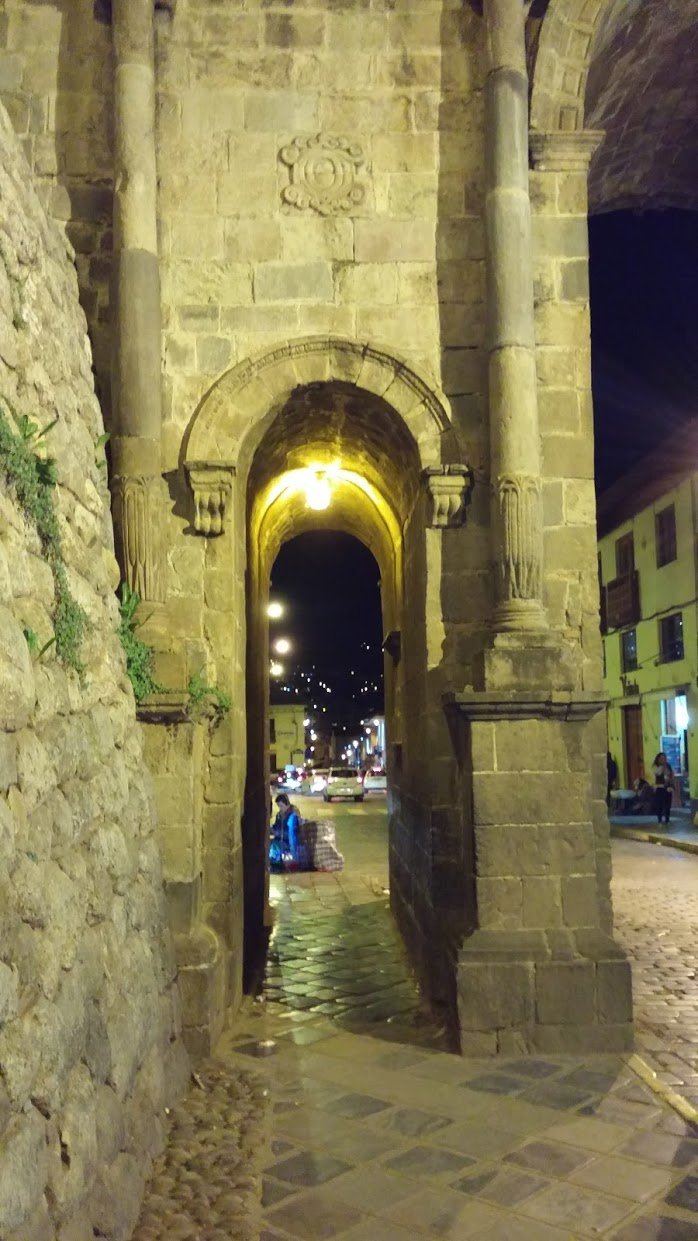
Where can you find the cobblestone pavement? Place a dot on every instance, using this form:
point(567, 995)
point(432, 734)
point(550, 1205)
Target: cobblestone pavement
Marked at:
point(374, 1133)
point(206, 1186)
point(655, 896)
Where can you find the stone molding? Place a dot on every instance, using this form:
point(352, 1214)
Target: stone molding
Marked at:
point(325, 174)
point(564, 152)
point(165, 708)
point(240, 398)
point(521, 705)
point(137, 518)
point(448, 488)
point(211, 485)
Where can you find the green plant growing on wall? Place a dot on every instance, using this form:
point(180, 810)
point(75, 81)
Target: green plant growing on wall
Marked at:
point(33, 479)
point(31, 638)
point(100, 444)
point(139, 655)
point(204, 698)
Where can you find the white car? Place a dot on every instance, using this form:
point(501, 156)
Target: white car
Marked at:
point(343, 782)
point(375, 781)
point(314, 781)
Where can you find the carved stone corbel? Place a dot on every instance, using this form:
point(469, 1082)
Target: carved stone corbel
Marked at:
point(448, 488)
point(211, 486)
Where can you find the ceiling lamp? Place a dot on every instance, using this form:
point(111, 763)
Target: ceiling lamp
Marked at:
point(318, 490)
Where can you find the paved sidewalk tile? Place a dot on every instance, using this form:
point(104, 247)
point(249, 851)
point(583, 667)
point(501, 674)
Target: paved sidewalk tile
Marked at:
point(375, 1132)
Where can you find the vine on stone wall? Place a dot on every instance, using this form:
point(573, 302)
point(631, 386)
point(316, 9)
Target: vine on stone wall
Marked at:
point(33, 479)
point(206, 699)
point(139, 655)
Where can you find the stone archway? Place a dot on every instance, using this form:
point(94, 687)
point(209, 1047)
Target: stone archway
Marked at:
point(232, 417)
point(402, 488)
point(562, 65)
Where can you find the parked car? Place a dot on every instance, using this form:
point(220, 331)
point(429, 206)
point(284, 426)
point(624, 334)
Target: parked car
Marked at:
point(376, 781)
point(343, 782)
point(314, 781)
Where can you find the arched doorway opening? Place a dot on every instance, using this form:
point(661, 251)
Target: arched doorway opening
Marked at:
point(329, 433)
point(348, 415)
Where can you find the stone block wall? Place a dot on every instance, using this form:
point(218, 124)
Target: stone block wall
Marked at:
point(252, 254)
point(563, 360)
point(56, 83)
point(89, 1047)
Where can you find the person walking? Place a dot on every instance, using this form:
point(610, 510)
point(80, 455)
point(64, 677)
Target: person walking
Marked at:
point(663, 787)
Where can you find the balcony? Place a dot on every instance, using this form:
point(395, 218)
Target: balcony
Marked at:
point(623, 600)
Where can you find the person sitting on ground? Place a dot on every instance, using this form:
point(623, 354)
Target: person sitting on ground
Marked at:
point(663, 787)
point(644, 797)
point(288, 849)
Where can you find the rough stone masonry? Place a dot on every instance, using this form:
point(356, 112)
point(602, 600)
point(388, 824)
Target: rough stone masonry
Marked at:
point(90, 1053)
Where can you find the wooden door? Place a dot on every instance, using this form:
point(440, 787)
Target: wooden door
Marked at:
point(632, 744)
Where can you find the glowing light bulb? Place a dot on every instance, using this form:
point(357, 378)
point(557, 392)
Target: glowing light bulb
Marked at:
point(318, 491)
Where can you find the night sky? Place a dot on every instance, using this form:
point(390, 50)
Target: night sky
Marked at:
point(644, 300)
point(644, 330)
point(329, 585)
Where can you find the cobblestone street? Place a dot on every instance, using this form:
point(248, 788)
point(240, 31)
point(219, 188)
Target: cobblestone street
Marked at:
point(332, 1101)
point(655, 892)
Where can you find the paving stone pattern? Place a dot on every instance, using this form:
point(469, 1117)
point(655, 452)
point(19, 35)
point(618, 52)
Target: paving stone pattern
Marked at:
point(655, 895)
point(373, 1132)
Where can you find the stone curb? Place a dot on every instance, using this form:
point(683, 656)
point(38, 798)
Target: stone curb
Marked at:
point(671, 842)
point(647, 1074)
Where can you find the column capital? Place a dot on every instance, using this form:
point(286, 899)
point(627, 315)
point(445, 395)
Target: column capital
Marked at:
point(448, 488)
point(559, 151)
point(211, 484)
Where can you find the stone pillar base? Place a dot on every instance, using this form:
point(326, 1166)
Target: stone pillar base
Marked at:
point(202, 978)
point(543, 991)
point(525, 659)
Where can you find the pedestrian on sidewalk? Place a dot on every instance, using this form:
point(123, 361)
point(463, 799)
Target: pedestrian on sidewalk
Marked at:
point(611, 776)
point(663, 787)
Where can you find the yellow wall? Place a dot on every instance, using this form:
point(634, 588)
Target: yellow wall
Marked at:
point(664, 590)
point(289, 745)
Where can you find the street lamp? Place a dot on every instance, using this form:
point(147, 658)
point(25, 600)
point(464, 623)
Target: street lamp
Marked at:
point(276, 670)
point(282, 646)
point(275, 610)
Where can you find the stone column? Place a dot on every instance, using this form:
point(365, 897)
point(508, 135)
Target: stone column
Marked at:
point(513, 413)
point(137, 484)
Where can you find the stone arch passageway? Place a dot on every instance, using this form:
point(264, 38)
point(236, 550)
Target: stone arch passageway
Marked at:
point(380, 435)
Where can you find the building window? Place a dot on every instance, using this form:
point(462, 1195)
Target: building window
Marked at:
point(671, 637)
point(665, 535)
point(272, 730)
point(628, 650)
point(625, 555)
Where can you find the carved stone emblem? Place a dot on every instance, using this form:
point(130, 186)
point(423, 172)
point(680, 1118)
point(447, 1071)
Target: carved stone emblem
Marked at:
point(449, 489)
point(325, 174)
point(211, 485)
